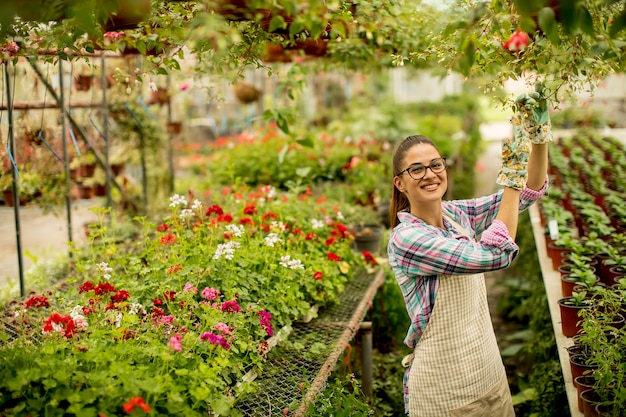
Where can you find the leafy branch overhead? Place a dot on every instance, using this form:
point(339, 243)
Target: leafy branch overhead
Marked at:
point(569, 44)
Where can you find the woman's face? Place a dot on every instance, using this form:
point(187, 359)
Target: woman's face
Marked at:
point(429, 187)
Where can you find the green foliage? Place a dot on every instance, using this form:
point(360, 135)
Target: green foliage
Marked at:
point(342, 397)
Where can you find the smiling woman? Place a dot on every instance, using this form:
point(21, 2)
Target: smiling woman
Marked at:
point(439, 261)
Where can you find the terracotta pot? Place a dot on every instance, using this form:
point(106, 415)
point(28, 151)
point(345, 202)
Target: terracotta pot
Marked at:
point(567, 285)
point(7, 196)
point(100, 190)
point(615, 273)
point(86, 171)
point(117, 169)
point(84, 192)
point(590, 400)
point(583, 383)
point(570, 322)
point(578, 367)
point(556, 254)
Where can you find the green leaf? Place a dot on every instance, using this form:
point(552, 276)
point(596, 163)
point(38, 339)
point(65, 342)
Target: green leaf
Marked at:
point(529, 394)
point(306, 142)
point(598, 48)
point(547, 22)
point(586, 21)
point(282, 153)
point(277, 22)
point(619, 23)
point(303, 172)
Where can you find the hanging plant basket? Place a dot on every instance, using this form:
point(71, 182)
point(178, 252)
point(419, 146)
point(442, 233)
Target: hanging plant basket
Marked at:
point(246, 93)
point(129, 14)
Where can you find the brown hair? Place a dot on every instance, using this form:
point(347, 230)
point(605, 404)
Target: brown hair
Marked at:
point(399, 202)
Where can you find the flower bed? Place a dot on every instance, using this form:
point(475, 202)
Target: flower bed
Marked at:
point(173, 320)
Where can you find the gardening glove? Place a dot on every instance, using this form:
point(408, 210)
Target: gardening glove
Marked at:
point(515, 154)
point(532, 110)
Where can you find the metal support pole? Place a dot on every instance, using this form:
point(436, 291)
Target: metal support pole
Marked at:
point(170, 148)
point(66, 157)
point(365, 332)
point(16, 194)
point(105, 128)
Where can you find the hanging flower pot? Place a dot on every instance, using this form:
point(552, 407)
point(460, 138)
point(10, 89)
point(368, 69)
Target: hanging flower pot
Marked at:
point(83, 82)
point(128, 15)
point(246, 93)
point(368, 238)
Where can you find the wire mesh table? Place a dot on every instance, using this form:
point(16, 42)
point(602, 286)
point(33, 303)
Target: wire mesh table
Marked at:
point(311, 353)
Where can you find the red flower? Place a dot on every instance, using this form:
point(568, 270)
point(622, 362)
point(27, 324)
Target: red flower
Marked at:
point(37, 301)
point(103, 288)
point(214, 209)
point(369, 258)
point(225, 218)
point(340, 230)
point(157, 302)
point(62, 324)
point(333, 257)
point(310, 236)
point(246, 220)
point(174, 268)
point(86, 287)
point(158, 311)
point(517, 42)
point(168, 239)
point(318, 275)
point(330, 241)
point(120, 296)
point(136, 402)
point(169, 295)
point(249, 210)
point(230, 307)
point(162, 228)
point(270, 215)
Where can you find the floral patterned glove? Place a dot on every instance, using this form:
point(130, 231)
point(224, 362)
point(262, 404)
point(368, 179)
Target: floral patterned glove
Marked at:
point(515, 153)
point(533, 111)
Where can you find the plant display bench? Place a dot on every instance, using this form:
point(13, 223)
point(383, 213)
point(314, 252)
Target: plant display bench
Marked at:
point(296, 374)
point(552, 282)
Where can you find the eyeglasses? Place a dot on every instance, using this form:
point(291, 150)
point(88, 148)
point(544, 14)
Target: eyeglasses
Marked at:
point(418, 171)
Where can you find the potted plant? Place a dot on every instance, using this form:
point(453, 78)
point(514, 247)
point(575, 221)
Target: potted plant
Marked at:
point(570, 308)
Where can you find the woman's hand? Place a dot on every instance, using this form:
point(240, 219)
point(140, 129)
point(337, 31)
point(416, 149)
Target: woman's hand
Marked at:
point(534, 115)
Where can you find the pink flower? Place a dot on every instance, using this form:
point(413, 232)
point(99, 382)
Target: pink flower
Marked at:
point(223, 327)
point(185, 86)
point(166, 319)
point(113, 35)
point(174, 342)
point(210, 293)
point(264, 320)
point(190, 288)
point(215, 339)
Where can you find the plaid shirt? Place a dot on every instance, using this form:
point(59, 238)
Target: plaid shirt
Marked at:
point(420, 253)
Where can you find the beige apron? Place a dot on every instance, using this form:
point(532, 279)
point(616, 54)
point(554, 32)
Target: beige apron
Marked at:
point(456, 367)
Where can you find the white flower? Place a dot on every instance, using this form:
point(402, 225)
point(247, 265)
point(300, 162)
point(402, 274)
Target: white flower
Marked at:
point(317, 224)
point(186, 214)
point(118, 320)
point(287, 262)
point(152, 85)
point(272, 239)
point(340, 215)
point(235, 229)
point(136, 308)
point(177, 200)
point(197, 204)
point(278, 225)
point(227, 250)
point(105, 269)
